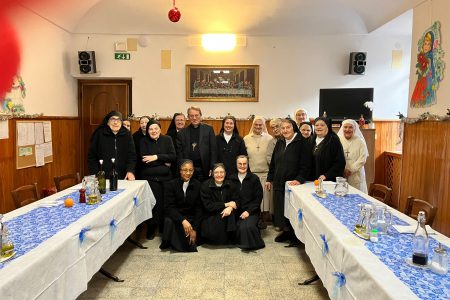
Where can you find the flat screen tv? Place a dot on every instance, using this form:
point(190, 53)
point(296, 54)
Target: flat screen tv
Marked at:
point(341, 104)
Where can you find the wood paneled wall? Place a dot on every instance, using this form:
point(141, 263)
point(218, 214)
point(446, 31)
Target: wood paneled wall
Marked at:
point(66, 159)
point(426, 168)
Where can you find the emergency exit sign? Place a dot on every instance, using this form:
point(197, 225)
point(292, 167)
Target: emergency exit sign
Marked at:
point(122, 56)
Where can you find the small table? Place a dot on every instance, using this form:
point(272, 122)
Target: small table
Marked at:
point(61, 266)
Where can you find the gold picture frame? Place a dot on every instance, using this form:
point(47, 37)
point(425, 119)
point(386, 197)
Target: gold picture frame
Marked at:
point(222, 83)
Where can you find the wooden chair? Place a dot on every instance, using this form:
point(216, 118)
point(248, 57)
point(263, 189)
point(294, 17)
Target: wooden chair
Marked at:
point(73, 178)
point(25, 195)
point(414, 205)
point(380, 192)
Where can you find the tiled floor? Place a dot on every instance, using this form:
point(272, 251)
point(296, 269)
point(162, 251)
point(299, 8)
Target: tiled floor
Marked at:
point(211, 273)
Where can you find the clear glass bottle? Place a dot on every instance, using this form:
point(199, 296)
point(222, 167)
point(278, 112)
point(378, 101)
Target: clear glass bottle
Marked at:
point(101, 177)
point(113, 180)
point(420, 242)
point(439, 263)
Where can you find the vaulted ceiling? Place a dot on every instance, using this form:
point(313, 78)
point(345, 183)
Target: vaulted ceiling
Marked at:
point(252, 17)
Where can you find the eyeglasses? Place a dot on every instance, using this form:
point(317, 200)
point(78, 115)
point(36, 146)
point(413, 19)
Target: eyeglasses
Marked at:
point(187, 170)
point(115, 119)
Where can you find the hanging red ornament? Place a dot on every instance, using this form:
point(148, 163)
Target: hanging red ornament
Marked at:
point(174, 14)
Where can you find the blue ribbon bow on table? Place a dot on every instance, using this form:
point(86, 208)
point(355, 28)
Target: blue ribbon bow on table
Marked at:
point(300, 215)
point(340, 282)
point(82, 234)
point(325, 248)
point(136, 201)
point(113, 226)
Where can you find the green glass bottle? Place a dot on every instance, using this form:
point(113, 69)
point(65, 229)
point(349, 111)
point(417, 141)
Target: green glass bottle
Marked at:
point(101, 179)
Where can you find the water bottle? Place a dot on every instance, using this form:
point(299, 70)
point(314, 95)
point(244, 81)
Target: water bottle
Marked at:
point(420, 242)
point(113, 180)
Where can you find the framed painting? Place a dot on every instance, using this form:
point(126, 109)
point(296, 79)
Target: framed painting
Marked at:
point(222, 83)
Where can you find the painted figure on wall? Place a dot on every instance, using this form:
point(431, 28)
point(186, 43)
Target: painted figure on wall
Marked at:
point(429, 68)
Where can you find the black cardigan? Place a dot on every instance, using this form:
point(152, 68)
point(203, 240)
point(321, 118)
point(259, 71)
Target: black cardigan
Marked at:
point(163, 147)
point(106, 145)
point(328, 158)
point(227, 152)
point(214, 197)
point(290, 163)
point(250, 194)
point(179, 207)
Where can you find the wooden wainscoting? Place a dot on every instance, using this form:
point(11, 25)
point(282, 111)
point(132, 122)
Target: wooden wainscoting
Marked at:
point(426, 168)
point(393, 170)
point(66, 158)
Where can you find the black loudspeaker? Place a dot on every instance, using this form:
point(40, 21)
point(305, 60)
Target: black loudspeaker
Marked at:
point(357, 64)
point(86, 60)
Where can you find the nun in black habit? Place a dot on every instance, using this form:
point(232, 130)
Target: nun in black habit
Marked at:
point(219, 199)
point(248, 236)
point(328, 154)
point(183, 210)
point(291, 162)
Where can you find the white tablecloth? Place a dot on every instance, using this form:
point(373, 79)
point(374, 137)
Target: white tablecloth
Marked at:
point(61, 267)
point(366, 276)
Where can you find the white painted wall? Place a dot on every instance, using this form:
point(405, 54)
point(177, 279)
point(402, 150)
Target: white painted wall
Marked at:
point(292, 70)
point(425, 15)
point(45, 66)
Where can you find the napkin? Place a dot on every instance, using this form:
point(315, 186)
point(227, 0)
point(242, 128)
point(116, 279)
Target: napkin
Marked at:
point(50, 203)
point(412, 229)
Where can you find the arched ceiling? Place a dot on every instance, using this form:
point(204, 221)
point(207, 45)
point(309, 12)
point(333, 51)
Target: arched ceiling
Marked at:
point(257, 17)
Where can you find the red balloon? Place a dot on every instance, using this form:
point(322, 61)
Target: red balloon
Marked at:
point(174, 15)
point(9, 55)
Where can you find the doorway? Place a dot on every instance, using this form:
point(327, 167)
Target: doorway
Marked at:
point(96, 98)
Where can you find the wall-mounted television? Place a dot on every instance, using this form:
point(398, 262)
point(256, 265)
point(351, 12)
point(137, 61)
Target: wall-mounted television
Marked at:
point(341, 104)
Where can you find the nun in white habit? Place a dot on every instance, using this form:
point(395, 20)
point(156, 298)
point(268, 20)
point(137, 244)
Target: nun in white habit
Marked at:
point(356, 153)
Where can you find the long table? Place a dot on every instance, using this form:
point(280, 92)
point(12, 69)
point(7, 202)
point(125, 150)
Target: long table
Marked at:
point(61, 266)
point(366, 276)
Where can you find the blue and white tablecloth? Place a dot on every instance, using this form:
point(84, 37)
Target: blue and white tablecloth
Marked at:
point(29, 230)
point(392, 249)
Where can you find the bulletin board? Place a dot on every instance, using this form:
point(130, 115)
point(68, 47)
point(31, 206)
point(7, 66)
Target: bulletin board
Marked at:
point(33, 144)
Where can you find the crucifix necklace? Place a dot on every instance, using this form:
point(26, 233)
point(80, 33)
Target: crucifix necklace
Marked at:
point(193, 146)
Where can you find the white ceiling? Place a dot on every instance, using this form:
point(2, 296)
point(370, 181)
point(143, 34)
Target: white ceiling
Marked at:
point(251, 17)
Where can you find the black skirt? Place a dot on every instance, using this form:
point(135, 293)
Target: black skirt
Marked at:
point(173, 236)
point(248, 235)
point(219, 231)
point(279, 219)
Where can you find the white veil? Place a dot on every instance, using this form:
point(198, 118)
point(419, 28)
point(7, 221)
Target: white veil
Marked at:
point(356, 134)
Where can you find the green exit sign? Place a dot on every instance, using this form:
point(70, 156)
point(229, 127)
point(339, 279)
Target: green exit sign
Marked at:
point(122, 56)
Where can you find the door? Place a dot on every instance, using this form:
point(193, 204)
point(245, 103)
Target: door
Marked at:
point(96, 99)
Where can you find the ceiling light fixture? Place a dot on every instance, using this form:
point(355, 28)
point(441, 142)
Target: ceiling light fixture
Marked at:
point(218, 42)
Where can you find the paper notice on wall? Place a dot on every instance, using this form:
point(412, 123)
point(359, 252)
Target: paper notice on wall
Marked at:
point(39, 133)
point(25, 134)
point(39, 151)
point(4, 130)
point(25, 151)
point(47, 131)
point(48, 150)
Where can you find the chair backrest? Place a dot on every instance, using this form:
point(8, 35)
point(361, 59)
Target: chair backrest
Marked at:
point(414, 205)
point(25, 195)
point(69, 180)
point(380, 192)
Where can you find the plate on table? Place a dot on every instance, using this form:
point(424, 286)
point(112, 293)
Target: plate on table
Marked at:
point(409, 262)
point(3, 259)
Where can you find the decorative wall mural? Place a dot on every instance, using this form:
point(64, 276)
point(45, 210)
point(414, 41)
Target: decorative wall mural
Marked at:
point(429, 68)
point(13, 100)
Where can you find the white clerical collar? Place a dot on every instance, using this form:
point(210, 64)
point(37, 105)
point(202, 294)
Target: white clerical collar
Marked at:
point(319, 139)
point(241, 176)
point(185, 186)
point(227, 137)
point(291, 139)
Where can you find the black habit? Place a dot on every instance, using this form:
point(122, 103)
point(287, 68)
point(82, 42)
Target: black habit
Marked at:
point(288, 163)
point(178, 207)
point(227, 152)
point(248, 236)
point(328, 158)
point(214, 228)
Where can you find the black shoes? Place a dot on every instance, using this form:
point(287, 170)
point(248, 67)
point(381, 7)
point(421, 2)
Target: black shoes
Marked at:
point(164, 245)
point(284, 236)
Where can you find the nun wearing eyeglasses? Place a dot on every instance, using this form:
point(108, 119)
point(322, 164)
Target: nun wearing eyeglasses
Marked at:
point(356, 153)
point(112, 140)
point(183, 210)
